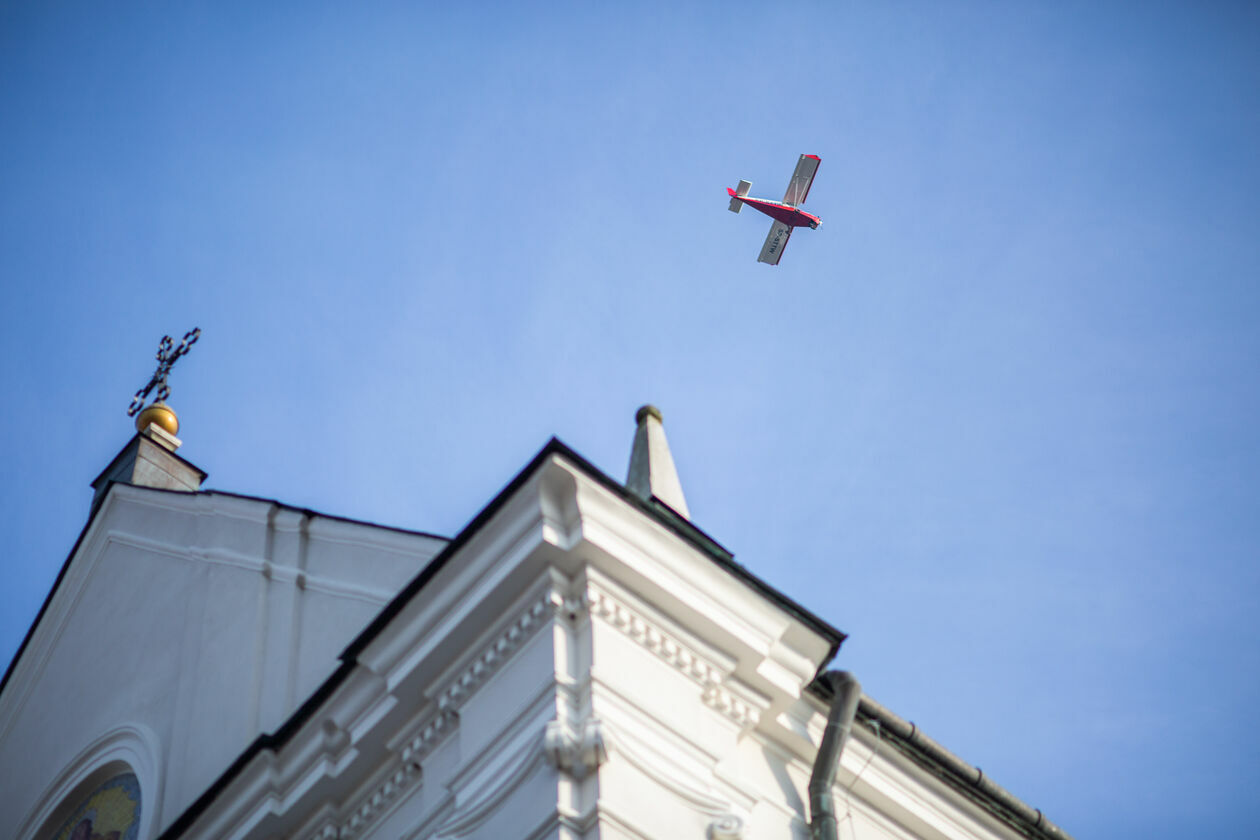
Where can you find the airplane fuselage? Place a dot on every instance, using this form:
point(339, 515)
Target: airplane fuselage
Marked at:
point(777, 210)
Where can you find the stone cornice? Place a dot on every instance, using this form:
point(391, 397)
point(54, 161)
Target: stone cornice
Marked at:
point(492, 656)
point(421, 737)
point(668, 647)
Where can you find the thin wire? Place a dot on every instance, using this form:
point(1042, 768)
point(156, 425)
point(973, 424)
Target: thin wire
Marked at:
point(848, 804)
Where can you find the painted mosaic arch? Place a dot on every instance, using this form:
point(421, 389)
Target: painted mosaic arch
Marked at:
point(109, 812)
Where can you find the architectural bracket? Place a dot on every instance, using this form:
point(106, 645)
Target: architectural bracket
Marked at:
point(575, 751)
point(726, 827)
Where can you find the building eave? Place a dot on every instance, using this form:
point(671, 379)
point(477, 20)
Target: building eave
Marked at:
point(937, 761)
point(656, 510)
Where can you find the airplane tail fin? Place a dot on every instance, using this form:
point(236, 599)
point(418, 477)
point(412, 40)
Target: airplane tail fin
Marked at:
point(736, 194)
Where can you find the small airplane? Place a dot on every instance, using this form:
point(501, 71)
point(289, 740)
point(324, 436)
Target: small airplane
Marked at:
point(786, 213)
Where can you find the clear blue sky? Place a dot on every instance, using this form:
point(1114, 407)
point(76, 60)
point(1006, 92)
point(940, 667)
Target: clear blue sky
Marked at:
point(997, 418)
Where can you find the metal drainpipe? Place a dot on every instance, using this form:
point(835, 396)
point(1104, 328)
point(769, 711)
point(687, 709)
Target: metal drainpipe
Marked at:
point(822, 807)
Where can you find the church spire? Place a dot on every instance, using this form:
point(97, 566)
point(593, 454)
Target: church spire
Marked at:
point(652, 471)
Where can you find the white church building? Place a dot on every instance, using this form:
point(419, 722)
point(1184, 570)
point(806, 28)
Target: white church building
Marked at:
point(580, 662)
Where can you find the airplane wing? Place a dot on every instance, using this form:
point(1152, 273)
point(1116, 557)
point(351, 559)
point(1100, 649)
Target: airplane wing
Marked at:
point(776, 242)
point(798, 187)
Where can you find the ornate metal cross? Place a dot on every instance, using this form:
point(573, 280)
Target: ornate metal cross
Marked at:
point(167, 355)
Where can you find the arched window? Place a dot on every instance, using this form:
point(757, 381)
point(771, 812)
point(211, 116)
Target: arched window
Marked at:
point(109, 810)
point(113, 784)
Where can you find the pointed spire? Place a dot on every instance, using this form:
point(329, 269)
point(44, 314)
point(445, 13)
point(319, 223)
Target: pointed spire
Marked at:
point(652, 471)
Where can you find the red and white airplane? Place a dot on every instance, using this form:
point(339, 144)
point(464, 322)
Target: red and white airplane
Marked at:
point(786, 213)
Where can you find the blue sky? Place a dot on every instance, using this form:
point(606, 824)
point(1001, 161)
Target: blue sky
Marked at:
point(996, 418)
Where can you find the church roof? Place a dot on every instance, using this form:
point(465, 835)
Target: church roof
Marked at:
point(904, 736)
point(661, 513)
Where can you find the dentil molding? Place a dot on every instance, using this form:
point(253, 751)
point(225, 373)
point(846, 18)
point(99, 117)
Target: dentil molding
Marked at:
point(675, 653)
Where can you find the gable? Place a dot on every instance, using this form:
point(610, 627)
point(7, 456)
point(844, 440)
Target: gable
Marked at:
point(202, 619)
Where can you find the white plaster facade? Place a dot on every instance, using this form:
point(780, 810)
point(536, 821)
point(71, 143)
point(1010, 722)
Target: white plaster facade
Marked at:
point(578, 663)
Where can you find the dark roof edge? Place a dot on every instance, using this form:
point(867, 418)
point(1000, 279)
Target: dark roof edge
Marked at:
point(271, 741)
point(659, 511)
point(435, 565)
point(656, 509)
point(683, 527)
point(39, 616)
point(971, 781)
point(315, 514)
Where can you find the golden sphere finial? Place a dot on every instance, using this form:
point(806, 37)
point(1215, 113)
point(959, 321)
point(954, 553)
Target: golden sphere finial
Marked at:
point(159, 413)
point(647, 411)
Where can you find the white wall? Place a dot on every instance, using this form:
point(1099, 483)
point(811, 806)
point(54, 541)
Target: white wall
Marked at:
point(203, 619)
point(575, 669)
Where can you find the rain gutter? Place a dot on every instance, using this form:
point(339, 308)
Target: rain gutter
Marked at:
point(945, 765)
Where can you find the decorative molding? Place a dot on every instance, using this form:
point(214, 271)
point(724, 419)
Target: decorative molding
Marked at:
point(352, 534)
point(408, 773)
point(133, 746)
point(575, 751)
point(695, 790)
point(428, 737)
point(639, 629)
point(385, 793)
point(558, 506)
point(675, 653)
point(327, 832)
point(725, 827)
point(279, 572)
point(570, 608)
point(725, 701)
point(479, 789)
point(483, 666)
point(446, 718)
